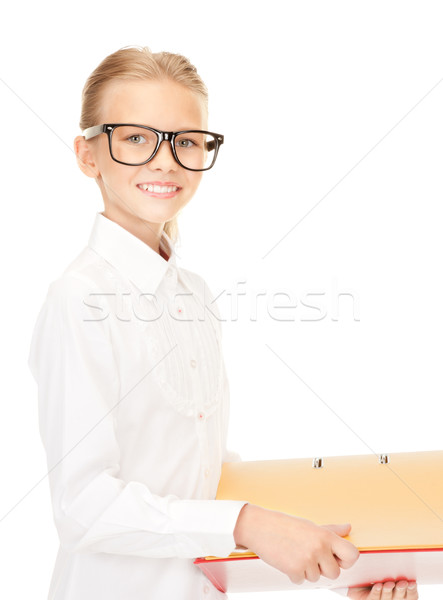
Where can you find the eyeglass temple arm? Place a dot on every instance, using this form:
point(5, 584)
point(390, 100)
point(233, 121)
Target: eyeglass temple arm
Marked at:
point(213, 144)
point(93, 131)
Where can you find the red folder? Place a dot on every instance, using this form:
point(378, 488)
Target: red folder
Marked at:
point(394, 503)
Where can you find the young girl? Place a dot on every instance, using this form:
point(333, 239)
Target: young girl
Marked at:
point(133, 395)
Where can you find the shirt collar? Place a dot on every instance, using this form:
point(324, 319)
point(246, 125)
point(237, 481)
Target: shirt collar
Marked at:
point(131, 256)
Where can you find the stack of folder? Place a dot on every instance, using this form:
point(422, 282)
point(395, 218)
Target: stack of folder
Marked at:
point(393, 502)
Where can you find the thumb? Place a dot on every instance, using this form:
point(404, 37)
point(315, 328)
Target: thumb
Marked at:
point(341, 530)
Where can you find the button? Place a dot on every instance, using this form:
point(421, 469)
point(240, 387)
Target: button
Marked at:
point(201, 416)
point(206, 589)
point(206, 473)
point(193, 363)
point(179, 309)
point(169, 273)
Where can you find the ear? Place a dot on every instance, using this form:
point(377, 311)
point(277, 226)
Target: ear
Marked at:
point(85, 157)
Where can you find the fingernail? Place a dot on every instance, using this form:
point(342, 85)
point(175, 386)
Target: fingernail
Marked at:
point(378, 586)
point(412, 585)
point(388, 586)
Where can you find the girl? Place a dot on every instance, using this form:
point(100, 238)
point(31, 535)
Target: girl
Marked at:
point(133, 395)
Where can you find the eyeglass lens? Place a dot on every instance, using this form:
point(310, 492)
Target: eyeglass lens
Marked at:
point(135, 145)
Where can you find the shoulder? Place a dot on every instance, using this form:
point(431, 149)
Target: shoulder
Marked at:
point(88, 273)
point(69, 322)
point(74, 295)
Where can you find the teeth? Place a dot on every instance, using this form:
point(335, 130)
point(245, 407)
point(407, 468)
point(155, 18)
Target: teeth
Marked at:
point(158, 189)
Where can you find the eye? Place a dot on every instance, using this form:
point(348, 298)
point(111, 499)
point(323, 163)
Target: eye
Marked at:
point(185, 143)
point(136, 139)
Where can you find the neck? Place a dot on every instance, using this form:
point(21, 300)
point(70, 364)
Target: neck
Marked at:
point(149, 233)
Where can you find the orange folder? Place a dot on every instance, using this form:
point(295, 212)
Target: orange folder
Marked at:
point(394, 503)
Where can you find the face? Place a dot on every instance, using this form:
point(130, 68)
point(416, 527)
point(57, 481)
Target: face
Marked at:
point(164, 105)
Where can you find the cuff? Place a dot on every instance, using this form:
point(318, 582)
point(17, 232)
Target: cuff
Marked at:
point(210, 523)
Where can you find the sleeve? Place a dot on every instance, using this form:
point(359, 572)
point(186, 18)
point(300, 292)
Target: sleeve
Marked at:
point(71, 358)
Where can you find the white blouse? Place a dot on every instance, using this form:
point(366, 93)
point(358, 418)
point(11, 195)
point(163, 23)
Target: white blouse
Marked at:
point(133, 413)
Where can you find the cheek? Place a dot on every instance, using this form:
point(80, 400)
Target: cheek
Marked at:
point(101, 151)
point(194, 179)
point(116, 173)
point(109, 169)
point(103, 162)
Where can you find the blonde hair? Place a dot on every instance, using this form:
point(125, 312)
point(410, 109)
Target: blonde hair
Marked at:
point(132, 63)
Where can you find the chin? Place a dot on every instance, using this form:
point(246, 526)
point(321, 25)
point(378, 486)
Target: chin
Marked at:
point(157, 218)
point(159, 212)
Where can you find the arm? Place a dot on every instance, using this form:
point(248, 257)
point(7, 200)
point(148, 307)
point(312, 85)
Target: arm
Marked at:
point(79, 393)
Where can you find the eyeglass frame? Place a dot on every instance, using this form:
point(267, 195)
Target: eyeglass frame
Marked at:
point(162, 136)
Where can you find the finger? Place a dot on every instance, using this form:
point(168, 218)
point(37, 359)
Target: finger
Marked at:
point(329, 567)
point(346, 553)
point(297, 579)
point(386, 593)
point(400, 591)
point(341, 529)
point(412, 591)
point(312, 573)
point(375, 593)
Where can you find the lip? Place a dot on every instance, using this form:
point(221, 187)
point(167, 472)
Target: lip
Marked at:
point(159, 194)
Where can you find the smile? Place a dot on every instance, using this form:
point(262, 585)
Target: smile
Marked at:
point(157, 189)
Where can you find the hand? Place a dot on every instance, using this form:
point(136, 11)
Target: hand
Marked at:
point(295, 546)
point(386, 591)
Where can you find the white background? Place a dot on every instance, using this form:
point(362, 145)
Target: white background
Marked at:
point(329, 183)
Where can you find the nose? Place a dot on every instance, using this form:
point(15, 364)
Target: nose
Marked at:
point(164, 159)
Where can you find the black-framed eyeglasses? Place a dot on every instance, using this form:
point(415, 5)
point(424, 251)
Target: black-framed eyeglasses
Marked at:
point(135, 145)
